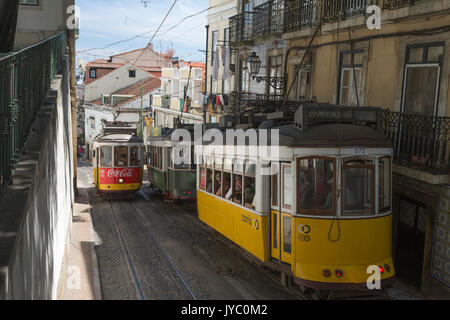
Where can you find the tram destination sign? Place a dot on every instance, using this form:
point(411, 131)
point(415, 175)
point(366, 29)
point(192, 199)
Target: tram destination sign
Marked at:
point(307, 115)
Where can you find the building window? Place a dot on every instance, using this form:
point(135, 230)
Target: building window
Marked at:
point(245, 77)
point(275, 71)
point(302, 89)
point(351, 78)
point(29, 2)
point(132, 73)
point(93, 73)
point(422, 78)
point(214, 45)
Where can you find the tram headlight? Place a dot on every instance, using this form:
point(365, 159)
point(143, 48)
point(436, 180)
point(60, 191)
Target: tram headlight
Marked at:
point(121, 181)
point(326, 273)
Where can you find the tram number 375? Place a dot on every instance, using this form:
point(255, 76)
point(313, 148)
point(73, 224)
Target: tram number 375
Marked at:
point(359, 151)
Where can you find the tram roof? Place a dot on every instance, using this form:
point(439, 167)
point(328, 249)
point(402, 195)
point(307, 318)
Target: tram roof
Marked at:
point(119, 138)
point(329, 135)
point(333, 135)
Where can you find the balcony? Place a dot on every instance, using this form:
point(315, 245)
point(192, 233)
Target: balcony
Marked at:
point(25, 78)
point(268, 18)
point(397, 4)
point(241, 28)
point(420, 142)
point(301, 13)
point(342, 9)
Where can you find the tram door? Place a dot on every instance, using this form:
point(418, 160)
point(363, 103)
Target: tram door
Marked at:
point(281, 216)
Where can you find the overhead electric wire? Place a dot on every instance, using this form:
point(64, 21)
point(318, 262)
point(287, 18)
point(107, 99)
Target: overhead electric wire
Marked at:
point(163, 32)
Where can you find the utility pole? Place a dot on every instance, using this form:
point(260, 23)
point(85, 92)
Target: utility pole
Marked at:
point(142, 112)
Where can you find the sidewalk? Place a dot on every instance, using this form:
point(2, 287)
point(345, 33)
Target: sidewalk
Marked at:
point(80, 278)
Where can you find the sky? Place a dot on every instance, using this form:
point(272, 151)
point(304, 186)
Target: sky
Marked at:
point(104, 22)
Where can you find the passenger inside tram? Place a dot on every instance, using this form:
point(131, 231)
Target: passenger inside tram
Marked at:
point(218, 185)
point(306, 192)
point(227, 191)
point(249, 193)
point(209, 181)
point(237, 194)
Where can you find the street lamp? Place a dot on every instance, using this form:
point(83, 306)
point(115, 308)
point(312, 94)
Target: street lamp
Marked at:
point(255, 65)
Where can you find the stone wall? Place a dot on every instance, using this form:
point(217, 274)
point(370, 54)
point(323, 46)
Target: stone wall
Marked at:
point(36, 210)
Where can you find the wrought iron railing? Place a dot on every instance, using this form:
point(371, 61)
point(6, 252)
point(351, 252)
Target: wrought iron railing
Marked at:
point(300, 14)
point(241, 27)
point(342, 9)
point(25, 78)
point(419, 141)
point(268, 18)
point(397, 4)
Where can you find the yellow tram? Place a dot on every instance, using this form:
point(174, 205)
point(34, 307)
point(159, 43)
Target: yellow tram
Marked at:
point(118, 161)
point(319, 208)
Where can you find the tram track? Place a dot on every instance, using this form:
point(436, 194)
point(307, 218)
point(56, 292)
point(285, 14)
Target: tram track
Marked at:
point(166, 255)
point(144, 287)
point(125, 251)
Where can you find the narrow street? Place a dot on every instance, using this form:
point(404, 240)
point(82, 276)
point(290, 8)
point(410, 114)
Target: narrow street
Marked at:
point(148, 249)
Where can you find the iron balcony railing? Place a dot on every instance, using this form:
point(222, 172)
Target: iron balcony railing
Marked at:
point(396, 4)
point(421, 142)
point(25, 78)
point(241, 28)
point(343, 9)
point(268, 18)
point(301, 13)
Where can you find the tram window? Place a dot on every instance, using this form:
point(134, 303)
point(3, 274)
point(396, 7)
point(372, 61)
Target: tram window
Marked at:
point(237, 189)
point(287, 186)
point(275, 231)
point(218, 164)
point(238, 166)
point(249, 193)
point(106, 156)
point(358, 188)
point(182, 165)
point(226, 186)
point(227, 165)
point(218, 183)
point(203, 178)
point(287, 235)
point(384, 172)
point(121, 156)
point(316, 182)
point(171, 156)
point(209, 181)
point(275, 190)
point(134, 157)
point(250, 169)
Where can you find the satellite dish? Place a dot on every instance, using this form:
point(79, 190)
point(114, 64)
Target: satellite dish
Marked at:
point(82, 64)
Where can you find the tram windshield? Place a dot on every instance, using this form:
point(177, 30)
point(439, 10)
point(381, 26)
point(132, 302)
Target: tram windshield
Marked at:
point(106, 156)
point(317, 186)
point(121, 156)
point(358, 188)
point(134, 157)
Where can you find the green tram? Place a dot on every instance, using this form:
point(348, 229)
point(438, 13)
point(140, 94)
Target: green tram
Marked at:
point(175, 181)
